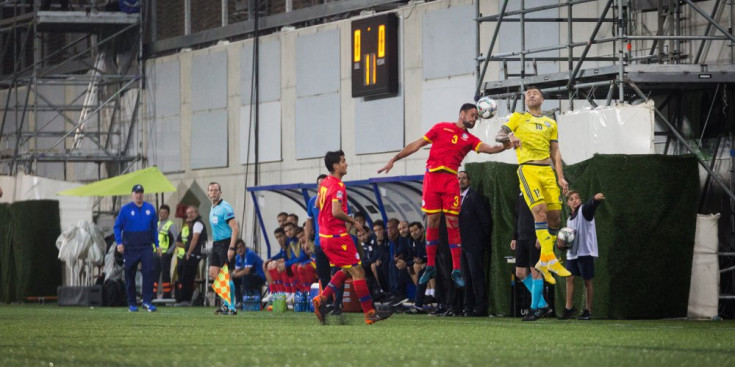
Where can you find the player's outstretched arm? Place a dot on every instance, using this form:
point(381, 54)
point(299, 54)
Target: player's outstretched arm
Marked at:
point(405, 152)
point(484, 148)
point(599, 196)
point(506, 136)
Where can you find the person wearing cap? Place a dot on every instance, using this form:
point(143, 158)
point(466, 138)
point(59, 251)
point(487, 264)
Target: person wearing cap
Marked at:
point(135, 231)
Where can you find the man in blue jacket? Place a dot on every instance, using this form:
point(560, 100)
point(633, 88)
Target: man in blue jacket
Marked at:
point(135, 231)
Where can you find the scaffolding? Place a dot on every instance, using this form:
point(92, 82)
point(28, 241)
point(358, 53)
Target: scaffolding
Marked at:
point(70, 87)
point(643, 64)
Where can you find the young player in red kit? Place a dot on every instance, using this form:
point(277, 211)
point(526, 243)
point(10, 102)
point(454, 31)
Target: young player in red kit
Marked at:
point(337, 243)
point(450, 143)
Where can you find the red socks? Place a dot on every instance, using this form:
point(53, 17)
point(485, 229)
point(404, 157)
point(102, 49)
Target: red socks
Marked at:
point(361, 289)
point(337, 280)
point(432, 240)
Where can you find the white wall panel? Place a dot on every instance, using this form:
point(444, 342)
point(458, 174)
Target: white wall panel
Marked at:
point(379, 125)
point(164, 145)
point(209, 81)
point(317, 63)
point(442, 98)
point(269, 71)
point(164, 84)
point(269, 146)
point(448, 41)
point(209, 139)
point(317, 125)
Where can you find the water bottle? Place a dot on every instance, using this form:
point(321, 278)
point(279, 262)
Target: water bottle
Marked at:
point(299, 302)
point(256, 301)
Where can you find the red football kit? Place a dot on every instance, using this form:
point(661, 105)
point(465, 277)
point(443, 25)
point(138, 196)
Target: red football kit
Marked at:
point(449, 145)
point(334, 239)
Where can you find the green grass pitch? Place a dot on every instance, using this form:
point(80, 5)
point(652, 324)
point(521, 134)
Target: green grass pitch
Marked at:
point(48, 335)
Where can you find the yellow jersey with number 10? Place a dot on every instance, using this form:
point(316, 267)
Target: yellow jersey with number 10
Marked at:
point(535, 133)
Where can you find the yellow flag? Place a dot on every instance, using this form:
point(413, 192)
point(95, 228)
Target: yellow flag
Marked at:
point(221, 285)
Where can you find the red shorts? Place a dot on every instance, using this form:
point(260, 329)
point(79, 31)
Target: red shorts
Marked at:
point(340, 251)
point(441, 193)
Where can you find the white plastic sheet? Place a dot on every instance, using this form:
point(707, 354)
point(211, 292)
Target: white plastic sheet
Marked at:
point(618, 129)
point(81, 249)
point(705, 284)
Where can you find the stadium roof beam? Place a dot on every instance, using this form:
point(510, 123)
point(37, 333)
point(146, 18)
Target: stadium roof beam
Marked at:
point(266, 23)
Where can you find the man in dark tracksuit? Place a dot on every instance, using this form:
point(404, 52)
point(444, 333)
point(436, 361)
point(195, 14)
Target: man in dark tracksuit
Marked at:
point(135, 231)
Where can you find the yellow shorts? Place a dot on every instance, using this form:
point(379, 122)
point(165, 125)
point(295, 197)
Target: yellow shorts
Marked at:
point(538, 185)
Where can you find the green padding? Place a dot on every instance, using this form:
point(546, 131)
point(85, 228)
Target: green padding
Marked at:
point(30, 266)
point(7, 268)
point(645, 232)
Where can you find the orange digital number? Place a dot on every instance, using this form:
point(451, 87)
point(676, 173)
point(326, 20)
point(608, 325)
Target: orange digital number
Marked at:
point(381, 41)
point(371, 68)
point(358, 46)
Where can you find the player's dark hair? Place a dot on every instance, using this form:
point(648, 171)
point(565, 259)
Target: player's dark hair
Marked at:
point(467, 107)
point(282, 214)
point(165, 207)
point(332, 158)
point(239, 241)
point(279, 230)
point(289, 224)
point(359, 214)
point(530, 87)
point(295, 217)
point(379, 222)
point(322, 176)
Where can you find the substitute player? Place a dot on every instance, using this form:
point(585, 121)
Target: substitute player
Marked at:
point(535, 138)
point(337, 243)
point(450, 143)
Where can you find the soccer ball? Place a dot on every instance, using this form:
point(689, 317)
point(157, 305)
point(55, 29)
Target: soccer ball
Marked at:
point(566, 235)
point(486, 107)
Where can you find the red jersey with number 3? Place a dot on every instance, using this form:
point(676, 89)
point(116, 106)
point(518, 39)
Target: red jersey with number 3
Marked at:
point(449, 145)
point(331, 190)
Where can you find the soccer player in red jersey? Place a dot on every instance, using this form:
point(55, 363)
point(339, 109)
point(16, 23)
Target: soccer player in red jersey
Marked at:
point(450, 143)
point(337, 243)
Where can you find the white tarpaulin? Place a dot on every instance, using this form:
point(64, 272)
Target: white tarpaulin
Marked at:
point(619, 129)
point(82, 250)
point(25, 187)
point(704, 288)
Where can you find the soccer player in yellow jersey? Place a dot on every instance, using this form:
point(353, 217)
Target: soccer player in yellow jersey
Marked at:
point(534, 137)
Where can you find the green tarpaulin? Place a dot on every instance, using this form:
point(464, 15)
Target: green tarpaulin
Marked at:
point(151, 178)
point(28, 256)
point(645, 232)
